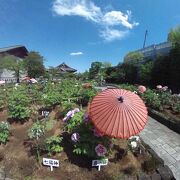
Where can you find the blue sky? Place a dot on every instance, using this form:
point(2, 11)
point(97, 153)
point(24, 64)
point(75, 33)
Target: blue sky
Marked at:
point(79, 32)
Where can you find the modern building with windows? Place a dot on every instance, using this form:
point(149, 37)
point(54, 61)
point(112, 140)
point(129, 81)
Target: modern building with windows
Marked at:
point(19, 52)
point(155, 50)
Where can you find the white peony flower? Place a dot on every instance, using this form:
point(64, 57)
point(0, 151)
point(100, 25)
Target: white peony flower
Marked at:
point(136, 138)
point(133, 144)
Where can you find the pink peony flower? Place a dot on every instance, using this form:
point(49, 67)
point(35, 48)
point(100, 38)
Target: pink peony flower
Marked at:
point(75, 137)
point(100, 150)
point(97, 133)
point(141, 89)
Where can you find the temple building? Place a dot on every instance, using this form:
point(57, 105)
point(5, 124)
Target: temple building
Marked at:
point(63, 68)
point(18, 51)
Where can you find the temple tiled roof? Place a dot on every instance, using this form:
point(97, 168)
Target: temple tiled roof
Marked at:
point(17, 50)
point(65, 68)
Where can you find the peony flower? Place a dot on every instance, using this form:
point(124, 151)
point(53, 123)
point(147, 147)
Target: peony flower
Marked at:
point(65, 118)
point(141, 89)
point(137, 138)
point(76, 110)
point(100, 150)
point(133, 144)
point(159, 87)
point(70, 114)
point(165, 88)
point(97, 133)
point(75, 137)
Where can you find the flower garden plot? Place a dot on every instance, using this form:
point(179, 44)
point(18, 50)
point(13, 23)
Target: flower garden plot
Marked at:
point(65, 134)
point(160, 99)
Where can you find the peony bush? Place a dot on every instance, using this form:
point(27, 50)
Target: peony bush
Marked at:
point(85, 138)
point(4, 132)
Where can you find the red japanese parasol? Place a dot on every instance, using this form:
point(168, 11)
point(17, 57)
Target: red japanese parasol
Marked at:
point(118, 113)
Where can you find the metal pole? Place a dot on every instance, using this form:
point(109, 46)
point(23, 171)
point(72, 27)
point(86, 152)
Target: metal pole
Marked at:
point(145, 39)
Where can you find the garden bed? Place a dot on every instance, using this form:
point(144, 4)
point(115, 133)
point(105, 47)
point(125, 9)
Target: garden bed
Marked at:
point(166, 118)
point(162, 104)
point(46, 122)
point(20, 163)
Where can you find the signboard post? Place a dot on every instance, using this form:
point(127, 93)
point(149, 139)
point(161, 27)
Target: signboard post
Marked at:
point(99, 163)
point(45, 114)
point(50, 162)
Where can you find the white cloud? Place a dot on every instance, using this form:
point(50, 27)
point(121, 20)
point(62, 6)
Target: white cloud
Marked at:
point(118, 18)
point(112, 34)
point(76, 53)
point(83, 8)
point(106, 20)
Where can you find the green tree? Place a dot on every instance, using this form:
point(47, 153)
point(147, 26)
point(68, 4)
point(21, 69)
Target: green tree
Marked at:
point(133, 57)
point(145, 72)
point(13, 64)
point(95, 69)
point(122, 73)
point(174, 60)
point(174, 35)
point(106, 64)
point(130, 72)
point(102, 71)
point(34, 64)
point(111, 75)
point(174, 68)
point(161, 71)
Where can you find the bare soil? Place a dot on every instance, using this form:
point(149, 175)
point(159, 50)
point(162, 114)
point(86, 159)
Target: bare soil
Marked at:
point(20, 164)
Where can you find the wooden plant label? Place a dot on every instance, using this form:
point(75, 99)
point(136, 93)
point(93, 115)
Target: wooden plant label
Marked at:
point(50, 162)
point(99, 163)
point(45, 114)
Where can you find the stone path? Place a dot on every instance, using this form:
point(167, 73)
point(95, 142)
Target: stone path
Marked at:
point(165, 142)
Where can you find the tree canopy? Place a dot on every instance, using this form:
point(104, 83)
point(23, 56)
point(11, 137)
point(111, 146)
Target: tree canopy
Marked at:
point(174, 35)
point(133, 57)
point(34, 64)
point(95, 69)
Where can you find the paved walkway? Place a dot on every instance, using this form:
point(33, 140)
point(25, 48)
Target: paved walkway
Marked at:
point(165, 142)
